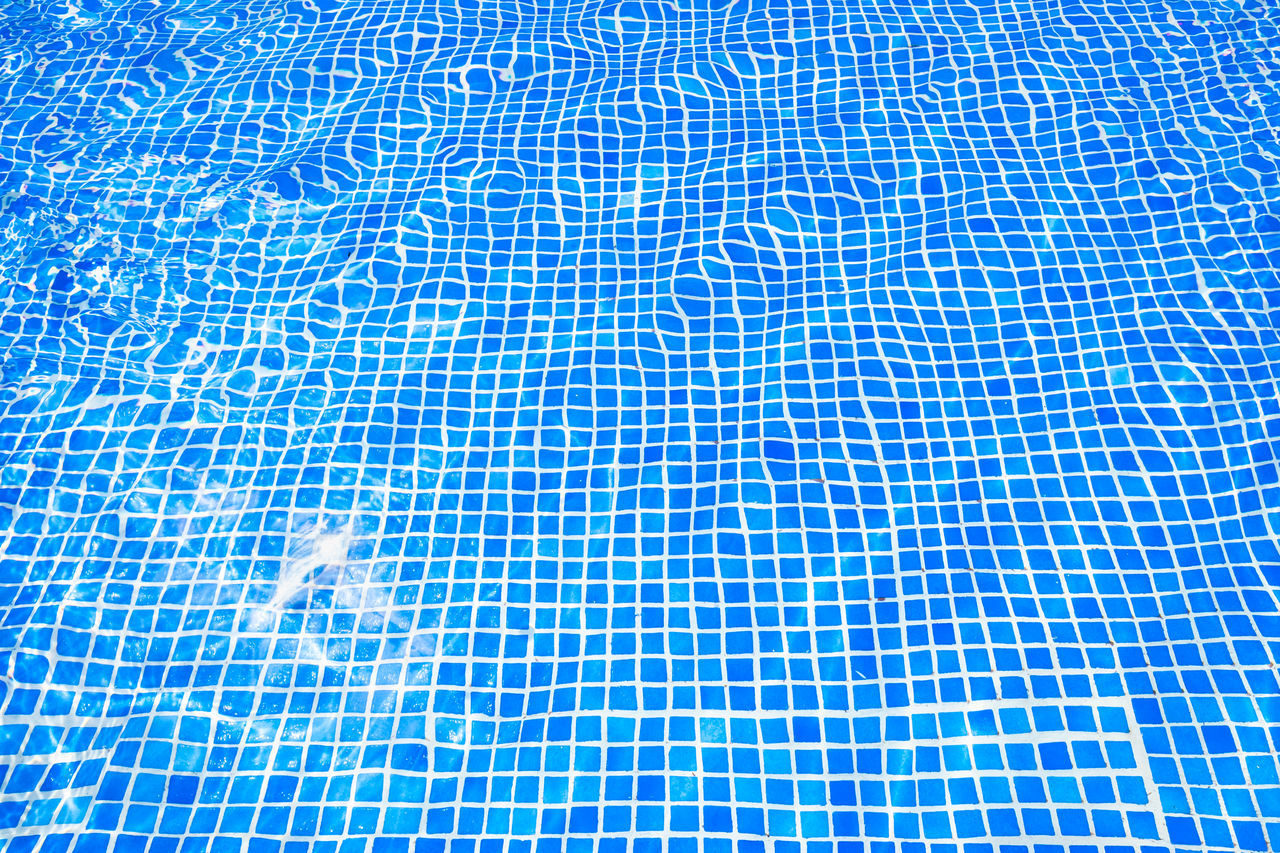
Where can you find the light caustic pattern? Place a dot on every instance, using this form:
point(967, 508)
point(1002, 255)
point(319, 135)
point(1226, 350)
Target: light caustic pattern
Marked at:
point(597, 427)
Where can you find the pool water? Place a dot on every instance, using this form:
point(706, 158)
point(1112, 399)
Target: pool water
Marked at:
point(598, 427)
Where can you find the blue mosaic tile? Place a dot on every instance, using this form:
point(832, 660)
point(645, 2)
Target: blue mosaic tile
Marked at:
point(584, 426)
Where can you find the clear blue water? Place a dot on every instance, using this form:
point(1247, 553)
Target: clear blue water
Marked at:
point(596, 427)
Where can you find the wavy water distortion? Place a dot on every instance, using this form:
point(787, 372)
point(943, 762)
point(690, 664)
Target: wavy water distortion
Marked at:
point(597, 427)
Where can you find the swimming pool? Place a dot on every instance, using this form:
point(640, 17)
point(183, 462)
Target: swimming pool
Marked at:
point(597, 427)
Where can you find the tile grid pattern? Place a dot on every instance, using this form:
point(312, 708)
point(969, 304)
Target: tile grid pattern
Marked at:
point(598, 427)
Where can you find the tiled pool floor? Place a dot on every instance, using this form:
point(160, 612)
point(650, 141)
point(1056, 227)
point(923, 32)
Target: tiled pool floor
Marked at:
point(596, 427)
